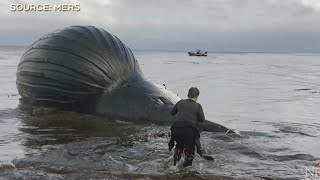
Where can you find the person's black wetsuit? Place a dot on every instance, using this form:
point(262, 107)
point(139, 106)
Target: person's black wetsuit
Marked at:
point(189, 115)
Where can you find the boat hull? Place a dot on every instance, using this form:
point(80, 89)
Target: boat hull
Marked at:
point(194, 54)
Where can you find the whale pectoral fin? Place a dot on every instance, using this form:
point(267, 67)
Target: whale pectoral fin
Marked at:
point(214, 127)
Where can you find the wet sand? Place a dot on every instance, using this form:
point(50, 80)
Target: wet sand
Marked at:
point(186, 176)
point(53, 174)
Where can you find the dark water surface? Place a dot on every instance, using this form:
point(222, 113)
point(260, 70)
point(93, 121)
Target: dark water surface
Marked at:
point(271, 100)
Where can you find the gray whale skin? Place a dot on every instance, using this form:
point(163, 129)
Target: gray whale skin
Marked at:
point(87, 69)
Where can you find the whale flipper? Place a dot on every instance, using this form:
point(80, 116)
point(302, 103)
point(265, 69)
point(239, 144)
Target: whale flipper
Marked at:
point(214, 127)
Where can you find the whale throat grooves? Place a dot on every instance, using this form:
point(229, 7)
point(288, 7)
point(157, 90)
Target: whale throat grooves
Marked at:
point(74, 66)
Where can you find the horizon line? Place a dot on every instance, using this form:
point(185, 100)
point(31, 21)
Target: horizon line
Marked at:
point(209, 51)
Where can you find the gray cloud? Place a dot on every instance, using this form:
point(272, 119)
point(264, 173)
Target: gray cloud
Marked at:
point(222, 25)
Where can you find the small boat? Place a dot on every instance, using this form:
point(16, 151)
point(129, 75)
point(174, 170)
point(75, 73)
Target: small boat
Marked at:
point(198, 53)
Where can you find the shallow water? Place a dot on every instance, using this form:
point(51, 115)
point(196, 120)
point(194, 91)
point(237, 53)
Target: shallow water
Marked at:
point(271, 100)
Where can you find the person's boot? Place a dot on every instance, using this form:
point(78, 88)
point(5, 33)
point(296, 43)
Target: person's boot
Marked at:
point(200, 151)
point(188, 160)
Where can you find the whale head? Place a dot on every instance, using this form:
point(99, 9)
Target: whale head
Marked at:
point(87, 69)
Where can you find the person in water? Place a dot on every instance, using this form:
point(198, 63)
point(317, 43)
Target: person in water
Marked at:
point(189, 114)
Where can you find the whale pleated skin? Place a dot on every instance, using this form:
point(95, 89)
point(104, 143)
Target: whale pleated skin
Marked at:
point(73, 63)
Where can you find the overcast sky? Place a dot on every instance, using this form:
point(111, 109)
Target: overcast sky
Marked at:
point(217, 25)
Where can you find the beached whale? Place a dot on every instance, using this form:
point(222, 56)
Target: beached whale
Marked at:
point(86, 69)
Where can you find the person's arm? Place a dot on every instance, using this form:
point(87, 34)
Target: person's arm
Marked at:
point(174, 110)
point(201, 117)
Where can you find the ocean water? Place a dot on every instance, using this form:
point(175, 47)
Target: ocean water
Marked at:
point(270, 100)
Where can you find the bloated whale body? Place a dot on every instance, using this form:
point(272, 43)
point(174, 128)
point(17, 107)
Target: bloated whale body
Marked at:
point(83, 68)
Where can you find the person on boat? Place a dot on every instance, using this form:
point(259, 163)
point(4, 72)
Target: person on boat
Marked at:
point(189, 114)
